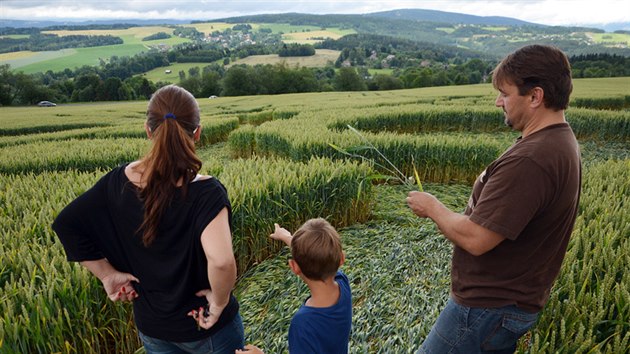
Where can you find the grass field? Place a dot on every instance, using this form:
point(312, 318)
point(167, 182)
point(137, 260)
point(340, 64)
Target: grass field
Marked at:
point(600, 88)
point(610, 38)
point(381, 71)
point(15, 36)
point(291, 33)
point(32, 62)
point(208, 27)
point(320, 59)
point(495, 28)
point(159, 74)
point(19, 60)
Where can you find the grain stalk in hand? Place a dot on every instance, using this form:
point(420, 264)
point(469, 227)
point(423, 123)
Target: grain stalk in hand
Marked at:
point(394, 172)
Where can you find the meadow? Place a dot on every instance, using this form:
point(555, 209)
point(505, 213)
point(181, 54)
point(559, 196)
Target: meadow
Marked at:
point(275, 157)
point(33, 62)
point(611, 38)
point(321, 58)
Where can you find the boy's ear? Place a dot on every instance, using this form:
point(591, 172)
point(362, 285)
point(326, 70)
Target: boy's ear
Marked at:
point(295, 268)
point(343, 259)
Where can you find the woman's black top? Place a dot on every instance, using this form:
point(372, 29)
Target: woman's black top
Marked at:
point(103, 222)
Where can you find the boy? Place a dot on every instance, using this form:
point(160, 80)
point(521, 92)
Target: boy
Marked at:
point(323, 322)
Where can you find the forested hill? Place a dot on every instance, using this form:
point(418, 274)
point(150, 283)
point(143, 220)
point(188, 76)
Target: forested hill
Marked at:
point(494, 39)
point(450, 17)
point(386, 44)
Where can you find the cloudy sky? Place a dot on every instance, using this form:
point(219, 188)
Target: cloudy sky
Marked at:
point(549, 12)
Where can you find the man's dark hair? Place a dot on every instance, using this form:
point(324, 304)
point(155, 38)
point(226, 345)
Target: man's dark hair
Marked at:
point(537, 66)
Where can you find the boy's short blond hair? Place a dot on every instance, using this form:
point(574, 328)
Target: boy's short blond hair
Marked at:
point(316, 248)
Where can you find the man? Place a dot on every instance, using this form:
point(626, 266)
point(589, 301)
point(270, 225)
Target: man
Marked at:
point(510, 242)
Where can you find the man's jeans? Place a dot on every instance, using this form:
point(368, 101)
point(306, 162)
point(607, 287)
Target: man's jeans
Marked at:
point(461, 329)
point(226, 340)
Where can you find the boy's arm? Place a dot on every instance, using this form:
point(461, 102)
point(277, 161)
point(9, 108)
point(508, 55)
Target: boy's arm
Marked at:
point(281, 234)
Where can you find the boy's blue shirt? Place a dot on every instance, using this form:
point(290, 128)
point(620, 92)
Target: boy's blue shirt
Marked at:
point(323, 329)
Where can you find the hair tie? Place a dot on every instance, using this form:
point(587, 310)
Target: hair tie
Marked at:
point(169, 115)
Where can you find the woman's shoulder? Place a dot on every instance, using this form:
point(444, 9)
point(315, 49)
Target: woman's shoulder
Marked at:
point(207, 184)
point(201, 178)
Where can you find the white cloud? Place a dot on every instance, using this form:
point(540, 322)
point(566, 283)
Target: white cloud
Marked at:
point(550, 12)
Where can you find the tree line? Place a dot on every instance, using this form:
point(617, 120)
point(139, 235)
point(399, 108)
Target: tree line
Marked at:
point(121, 79)
point(41, 42)
point(410, 64)
point(599, 65)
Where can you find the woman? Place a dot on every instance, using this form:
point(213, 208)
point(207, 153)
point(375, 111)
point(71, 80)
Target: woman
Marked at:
point(158, 234)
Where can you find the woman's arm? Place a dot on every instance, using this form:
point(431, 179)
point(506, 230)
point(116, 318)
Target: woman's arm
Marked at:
point(216, 241)
point(117, 284)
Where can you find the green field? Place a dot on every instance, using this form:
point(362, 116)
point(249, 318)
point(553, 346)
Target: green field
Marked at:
point(32, 62)
point(600, 88)
point(320, 59)
point(273, 153)
point(208, 27)
point(160, 74)
point(611, 38)
point(446, 29)
point(495, 28)
point(291, 33)
point(381, 71)
point(15, 36)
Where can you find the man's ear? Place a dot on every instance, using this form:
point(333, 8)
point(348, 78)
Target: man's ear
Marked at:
point(148, 130)
point(295, 268)
point(537, 95)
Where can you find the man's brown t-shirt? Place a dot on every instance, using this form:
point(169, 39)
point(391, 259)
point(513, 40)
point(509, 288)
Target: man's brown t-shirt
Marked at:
point(530, 196)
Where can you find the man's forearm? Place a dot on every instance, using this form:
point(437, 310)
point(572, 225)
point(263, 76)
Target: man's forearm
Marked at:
point(462, 232)
point(448, 222)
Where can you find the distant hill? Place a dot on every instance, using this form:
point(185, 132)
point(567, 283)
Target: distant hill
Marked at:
point(473, 33)
point(42, 24)
point(613, 26)
point(450, 17)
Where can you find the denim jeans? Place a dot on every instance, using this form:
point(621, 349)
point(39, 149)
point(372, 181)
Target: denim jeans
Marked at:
point(227, 340)
point(461, 329)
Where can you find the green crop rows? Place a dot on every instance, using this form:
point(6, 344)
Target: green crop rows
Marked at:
point(288, 158)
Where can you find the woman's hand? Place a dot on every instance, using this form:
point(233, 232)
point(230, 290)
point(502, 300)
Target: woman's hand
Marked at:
point(251, 349)
point(214, 310)
point(118, 286)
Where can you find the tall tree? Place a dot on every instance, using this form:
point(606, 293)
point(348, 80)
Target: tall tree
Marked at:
point(347, 79)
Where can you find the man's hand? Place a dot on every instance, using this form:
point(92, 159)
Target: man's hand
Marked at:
point(421, 203)
point(118, 286)
point(281, 234)
point(214, 310)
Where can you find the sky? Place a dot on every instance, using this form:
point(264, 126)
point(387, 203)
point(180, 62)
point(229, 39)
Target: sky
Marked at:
point(547, 12)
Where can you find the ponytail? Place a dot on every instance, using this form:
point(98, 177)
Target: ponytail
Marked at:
point(172, 118)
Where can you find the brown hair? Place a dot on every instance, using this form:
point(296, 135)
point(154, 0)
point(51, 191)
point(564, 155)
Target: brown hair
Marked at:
point(316, 248)
point(537, 66)
point(172, 118)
